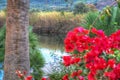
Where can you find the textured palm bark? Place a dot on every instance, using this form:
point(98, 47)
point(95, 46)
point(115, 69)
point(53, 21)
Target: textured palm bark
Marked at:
point(16, 44)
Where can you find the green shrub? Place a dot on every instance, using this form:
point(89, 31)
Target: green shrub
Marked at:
point(2, 43)
point(36, 58)
point(108, 23)
point(80, 8)
point(91, 7)
point(58, 72)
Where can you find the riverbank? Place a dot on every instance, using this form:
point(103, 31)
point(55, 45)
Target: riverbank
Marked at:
point(54, 22)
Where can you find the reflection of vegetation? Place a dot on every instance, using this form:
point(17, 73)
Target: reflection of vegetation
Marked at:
point(53, 42)
point(107, 23)
point(36, 57)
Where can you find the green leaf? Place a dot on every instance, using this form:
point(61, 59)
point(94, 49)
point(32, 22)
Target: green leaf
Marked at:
point(71, 79)
point(111, 56)
point(118, 2)
point(118, 57)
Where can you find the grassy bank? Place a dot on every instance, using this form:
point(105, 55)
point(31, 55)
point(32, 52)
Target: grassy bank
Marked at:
point(54, 22)
point(50, 22)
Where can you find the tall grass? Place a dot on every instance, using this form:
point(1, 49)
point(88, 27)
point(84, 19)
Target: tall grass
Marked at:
point(54, 22)
point(50, 22)
point(2, 18)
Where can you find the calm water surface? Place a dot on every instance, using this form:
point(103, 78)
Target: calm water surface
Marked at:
point(51, 44)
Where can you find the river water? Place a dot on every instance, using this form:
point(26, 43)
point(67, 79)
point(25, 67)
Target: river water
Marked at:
point(51, 44)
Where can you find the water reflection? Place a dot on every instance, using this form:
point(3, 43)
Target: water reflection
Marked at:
point(51, 44)
point(52, 48)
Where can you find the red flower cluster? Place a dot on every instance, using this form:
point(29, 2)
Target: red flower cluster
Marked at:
point(75, 74)
point(68, 60)
point(19, 74)
point(114, 74)
point(43, 78)
point(65, 77)
point(77, 40)
point(28, 78)
point(94, 48)
point(22, 76)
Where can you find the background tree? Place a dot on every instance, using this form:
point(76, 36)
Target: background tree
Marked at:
point(16, 44)
point(69, 3)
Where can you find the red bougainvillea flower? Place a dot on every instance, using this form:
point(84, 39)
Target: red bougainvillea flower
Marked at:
point(114, 74)
point(74, 74)
point(78, 30)
point(91, 75)
point(76, 37)
point(98, 32)
point(65, 77)
point(69, 48)
point(43, 78)
point(81, 78)
point(67, 60)
point(111, 75)
point(94, 49)
point(19, 73)
point(111, 63)
point(75, 60)
point(28, 78)
point(79, 72)
point(115, 39)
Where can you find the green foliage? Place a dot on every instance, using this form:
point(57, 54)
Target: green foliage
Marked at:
point(2, 43)
point(58, 74)
point(107, 22)
point(37, 62)
point(89, 19)
point(80, 8)
point(118, 2)
point(36, 58)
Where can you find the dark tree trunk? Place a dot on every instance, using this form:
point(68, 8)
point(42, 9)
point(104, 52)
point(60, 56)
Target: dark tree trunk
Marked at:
point(16, 44)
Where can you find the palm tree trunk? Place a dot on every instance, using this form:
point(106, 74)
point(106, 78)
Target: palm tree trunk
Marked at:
point(16, 44)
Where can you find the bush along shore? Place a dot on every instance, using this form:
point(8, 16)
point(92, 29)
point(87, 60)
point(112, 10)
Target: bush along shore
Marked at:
point(54, 22)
